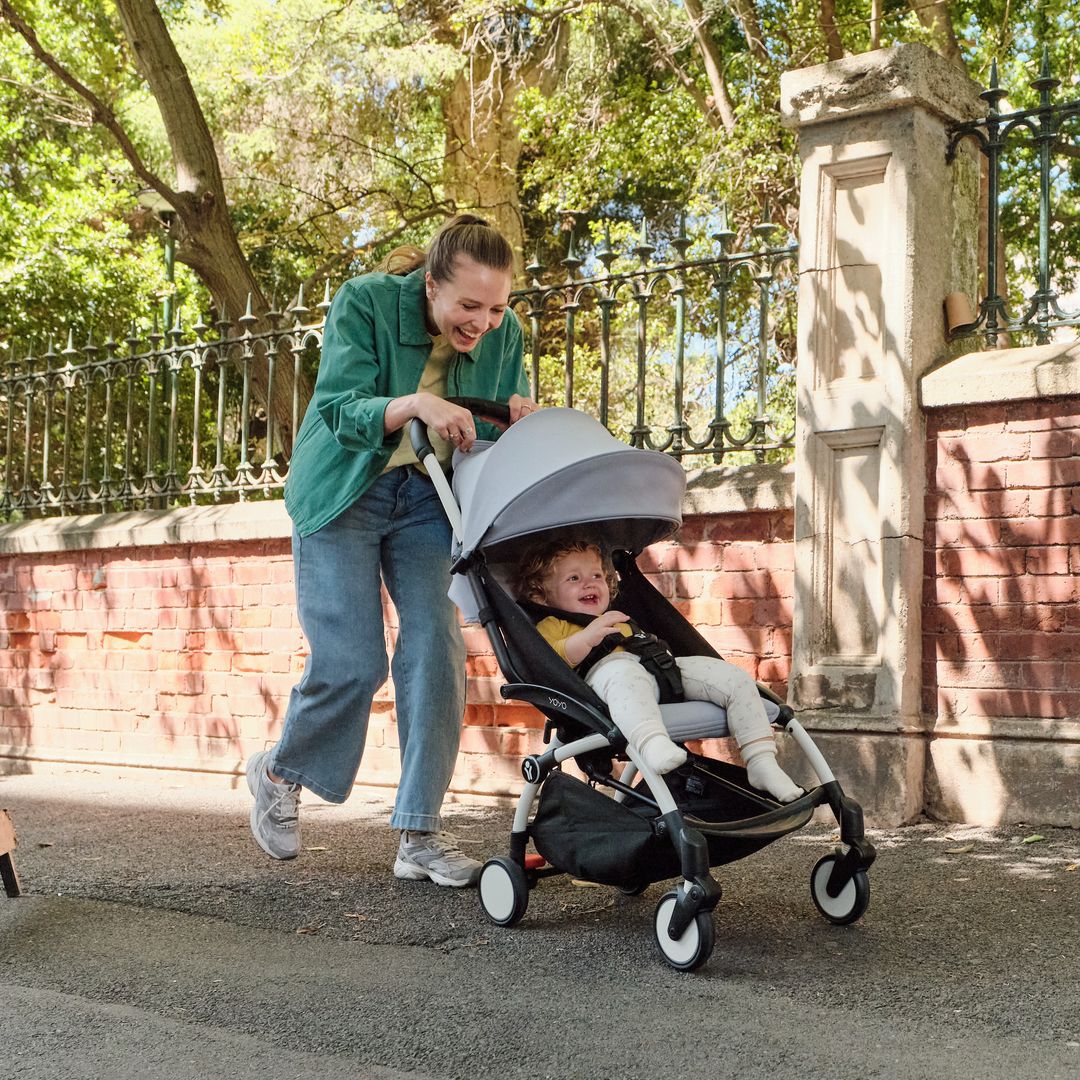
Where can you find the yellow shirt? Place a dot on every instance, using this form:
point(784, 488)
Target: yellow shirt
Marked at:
point(555, 631)
point(432, 380)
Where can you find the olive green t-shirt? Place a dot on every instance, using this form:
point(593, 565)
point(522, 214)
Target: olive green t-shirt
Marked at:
point(433, 381)
point(375, 348)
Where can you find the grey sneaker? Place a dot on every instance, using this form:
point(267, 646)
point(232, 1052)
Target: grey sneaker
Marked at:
point(434, 856)
point(275, 817)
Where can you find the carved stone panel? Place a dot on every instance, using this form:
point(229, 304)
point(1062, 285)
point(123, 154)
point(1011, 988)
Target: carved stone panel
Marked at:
point(853, 228)
point(850, 563)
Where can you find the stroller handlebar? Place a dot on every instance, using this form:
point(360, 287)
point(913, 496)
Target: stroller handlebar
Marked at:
point(493, 411)
point(497, 413)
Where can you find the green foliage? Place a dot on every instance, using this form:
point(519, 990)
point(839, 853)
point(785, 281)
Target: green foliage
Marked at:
point(331, 127)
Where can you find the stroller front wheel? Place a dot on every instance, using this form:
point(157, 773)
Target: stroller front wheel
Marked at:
point(504, 891)
point(852, 900)
point(694, 947)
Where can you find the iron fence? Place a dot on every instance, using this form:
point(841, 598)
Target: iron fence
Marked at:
point(1008, 141)
point(692, 356)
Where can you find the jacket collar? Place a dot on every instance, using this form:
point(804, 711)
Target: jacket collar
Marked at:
point(412, 314)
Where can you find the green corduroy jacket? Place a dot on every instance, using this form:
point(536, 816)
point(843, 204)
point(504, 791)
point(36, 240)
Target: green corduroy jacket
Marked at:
point(375, 346)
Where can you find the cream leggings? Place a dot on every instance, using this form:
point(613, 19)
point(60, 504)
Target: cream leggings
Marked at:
point(632, 696)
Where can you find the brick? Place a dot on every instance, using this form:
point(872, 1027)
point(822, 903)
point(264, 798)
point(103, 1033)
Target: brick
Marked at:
point(688, 586)
point(778, 612)
point(976, 562)
point(1034, 646)
point(1044, 473)
point(273, 595)
point(739, 558)
point(990, 703)
point(967, 532)
point(1055, 444)
point(700, 612)
point(127, 639)
point(985, 449)
point(775, 557)
point(1047, 560)
point(282, 573)
point(257, 573)
point(696, 557)
point(250, 662)
point(224, 596)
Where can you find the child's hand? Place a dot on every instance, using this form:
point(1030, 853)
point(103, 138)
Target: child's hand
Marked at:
point(578, 646)
point(603, 625)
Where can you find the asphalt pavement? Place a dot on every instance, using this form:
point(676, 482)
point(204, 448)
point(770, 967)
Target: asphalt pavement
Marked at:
point(155, 940)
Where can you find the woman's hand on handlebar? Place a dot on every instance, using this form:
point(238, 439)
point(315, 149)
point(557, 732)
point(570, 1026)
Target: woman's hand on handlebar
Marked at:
point(450, 421)
point(520, 406)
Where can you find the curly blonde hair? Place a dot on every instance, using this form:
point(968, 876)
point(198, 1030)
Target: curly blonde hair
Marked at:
point(536, 564)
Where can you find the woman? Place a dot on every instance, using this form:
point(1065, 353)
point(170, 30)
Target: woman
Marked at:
point(394, 348)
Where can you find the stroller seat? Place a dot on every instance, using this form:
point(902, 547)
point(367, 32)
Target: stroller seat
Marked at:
point(687, 720)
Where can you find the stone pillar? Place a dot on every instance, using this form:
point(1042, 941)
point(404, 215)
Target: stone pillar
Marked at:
point(886, 227)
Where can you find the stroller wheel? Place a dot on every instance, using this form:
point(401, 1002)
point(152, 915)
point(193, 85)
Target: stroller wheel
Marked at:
point(633, 890)
point(690, 951)
point(504, 891)
point(852, 900)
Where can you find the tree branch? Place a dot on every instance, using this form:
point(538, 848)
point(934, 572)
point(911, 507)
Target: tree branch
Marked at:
point(713, 62)
point(827, 22)
point(198, 172)
point(100, 111)
point(935, 17)
point(666, 54)
point(746, 14)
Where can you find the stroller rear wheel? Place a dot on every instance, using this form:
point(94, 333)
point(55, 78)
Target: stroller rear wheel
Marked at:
point(689, 952)
point(852, 900)
point(504, 891)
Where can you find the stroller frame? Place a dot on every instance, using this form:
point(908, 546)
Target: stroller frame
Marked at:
point(578, 729)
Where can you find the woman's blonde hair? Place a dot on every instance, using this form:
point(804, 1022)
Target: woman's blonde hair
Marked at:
point(463, 234)
point(536, 564)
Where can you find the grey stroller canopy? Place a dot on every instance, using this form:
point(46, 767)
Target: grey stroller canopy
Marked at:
point(560, 467)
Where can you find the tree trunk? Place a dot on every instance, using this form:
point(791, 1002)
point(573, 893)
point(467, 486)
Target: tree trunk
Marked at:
point(206, 237)
point(936, 18)
point(482, 145)
point(483, 150)
point(827, 18)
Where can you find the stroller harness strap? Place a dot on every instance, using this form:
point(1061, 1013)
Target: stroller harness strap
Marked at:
point(655, 657)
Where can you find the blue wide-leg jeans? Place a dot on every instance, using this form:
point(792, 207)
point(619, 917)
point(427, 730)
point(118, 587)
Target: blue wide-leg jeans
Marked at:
point(395, 532)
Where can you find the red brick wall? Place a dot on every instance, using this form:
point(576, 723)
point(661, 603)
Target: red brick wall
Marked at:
point(184, 656)
point(1001, 622)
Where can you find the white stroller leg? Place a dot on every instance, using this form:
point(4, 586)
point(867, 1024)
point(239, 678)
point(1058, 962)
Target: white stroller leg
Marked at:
point(809, 748)
point(632, 697)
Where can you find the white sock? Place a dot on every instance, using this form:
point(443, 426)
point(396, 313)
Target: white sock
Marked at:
point(660, 753)
point(765, 774)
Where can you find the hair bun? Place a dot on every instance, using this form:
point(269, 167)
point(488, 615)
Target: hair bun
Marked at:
point(467, 219)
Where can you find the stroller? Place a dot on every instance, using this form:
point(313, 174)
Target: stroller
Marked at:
point(559, 469)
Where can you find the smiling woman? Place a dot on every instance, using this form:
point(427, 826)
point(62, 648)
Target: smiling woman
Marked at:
point(364, 511)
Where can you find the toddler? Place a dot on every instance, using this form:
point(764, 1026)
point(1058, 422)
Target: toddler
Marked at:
point(573, 577)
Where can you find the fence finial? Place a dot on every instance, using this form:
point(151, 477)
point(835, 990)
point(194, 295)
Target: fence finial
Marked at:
point(247, 320)
point(644, 249)
point(723, 235)
point(605, 254)
point(536, 267)
point(324, 304)
point(299, 308)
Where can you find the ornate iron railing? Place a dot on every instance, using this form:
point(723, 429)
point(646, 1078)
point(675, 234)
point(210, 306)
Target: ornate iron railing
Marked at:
point(153, 421)
point(166, 419)
point(1041, 131)
point(733, 311)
